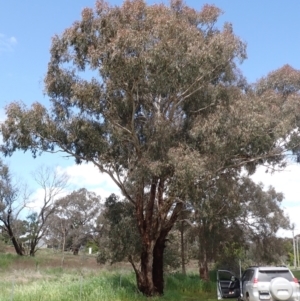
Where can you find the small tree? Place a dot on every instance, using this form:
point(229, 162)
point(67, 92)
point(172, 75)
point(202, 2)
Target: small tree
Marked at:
point(52, 184)
point(10, 207)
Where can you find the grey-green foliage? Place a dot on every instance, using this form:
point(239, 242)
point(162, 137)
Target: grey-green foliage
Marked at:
point(75, 218)
point(166, 109)
point(236, 215)
point(124, 240)
point(172, 252)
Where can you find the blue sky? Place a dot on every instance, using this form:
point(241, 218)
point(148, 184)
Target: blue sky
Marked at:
point(270, 29)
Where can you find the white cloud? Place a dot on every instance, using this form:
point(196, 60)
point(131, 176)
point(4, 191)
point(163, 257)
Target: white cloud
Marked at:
point(89, 177)
point(37, 199)
point(81, 176)
point(13, 40)
point(286, 181)
point(7, 43)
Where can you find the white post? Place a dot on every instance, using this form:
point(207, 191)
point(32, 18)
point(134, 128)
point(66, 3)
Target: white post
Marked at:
point(90, 251)
point(294, 247)
point(297, 248)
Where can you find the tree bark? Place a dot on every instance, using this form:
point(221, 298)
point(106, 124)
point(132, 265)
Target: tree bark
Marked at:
point(203, 270)
point(154, 224)
point(18, 246)
point(158, 264)
point(150, 280)
point(203, 265)
point(33, 245)
point(144, 276)
point(182, 248)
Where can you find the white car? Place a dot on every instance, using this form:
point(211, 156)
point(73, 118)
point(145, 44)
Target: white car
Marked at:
point(259, 283)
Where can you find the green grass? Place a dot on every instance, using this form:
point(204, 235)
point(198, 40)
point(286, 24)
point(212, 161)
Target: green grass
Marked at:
point(42, 278)
point(296, 273)
point(6, 260)
point(106, 286)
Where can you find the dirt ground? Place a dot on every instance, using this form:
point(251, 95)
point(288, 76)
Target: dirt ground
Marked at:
point(48, 258)
point(53, 259)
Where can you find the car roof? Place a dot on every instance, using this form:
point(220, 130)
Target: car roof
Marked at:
point(273, 268)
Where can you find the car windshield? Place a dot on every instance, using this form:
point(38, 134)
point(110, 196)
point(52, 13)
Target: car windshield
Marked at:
point(267, 276)
point(225, 275)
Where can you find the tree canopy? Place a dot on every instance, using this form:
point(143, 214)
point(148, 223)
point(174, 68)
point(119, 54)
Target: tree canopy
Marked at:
point(151, 94)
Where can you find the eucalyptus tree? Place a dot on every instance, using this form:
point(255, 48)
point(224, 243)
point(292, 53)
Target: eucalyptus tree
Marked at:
point(152, 96)
point(12, 202)
point(261, 217)
point(233, 215)
point(119, 235)
point(76, 217)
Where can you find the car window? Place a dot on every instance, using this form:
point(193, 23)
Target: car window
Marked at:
point(250, 275)
point(225, 275)
point(247, 275)
point(267, 276)
point(244, 275)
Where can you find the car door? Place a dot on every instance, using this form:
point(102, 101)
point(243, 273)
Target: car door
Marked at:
point(246, 283)
point(243, 283)
point(223, 281)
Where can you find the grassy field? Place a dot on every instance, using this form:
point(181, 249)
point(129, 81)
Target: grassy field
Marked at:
point(296, 273)
point(43, 279)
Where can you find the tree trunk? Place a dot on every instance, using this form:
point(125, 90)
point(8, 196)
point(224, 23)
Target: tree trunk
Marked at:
point(75, 251)
point(32, 250)
point(154, 228)
point(203, 270)
point(7, 227)
point(203, 265)
point(158, 264)
point(63, 247)
point(182, 248)
point(18, 246)
point(150, 279)
point(144, 276)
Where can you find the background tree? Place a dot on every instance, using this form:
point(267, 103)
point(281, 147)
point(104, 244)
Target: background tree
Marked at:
point(184, 223)
point(52, 184)
point(77, 213)
point(239, 215)
point(166, 109)
point(57, 229)
point(12, 202)
point(260, 218)
point(123, 233)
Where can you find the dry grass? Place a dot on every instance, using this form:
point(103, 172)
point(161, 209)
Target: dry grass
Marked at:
point(47, 266)
point(81, 278)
